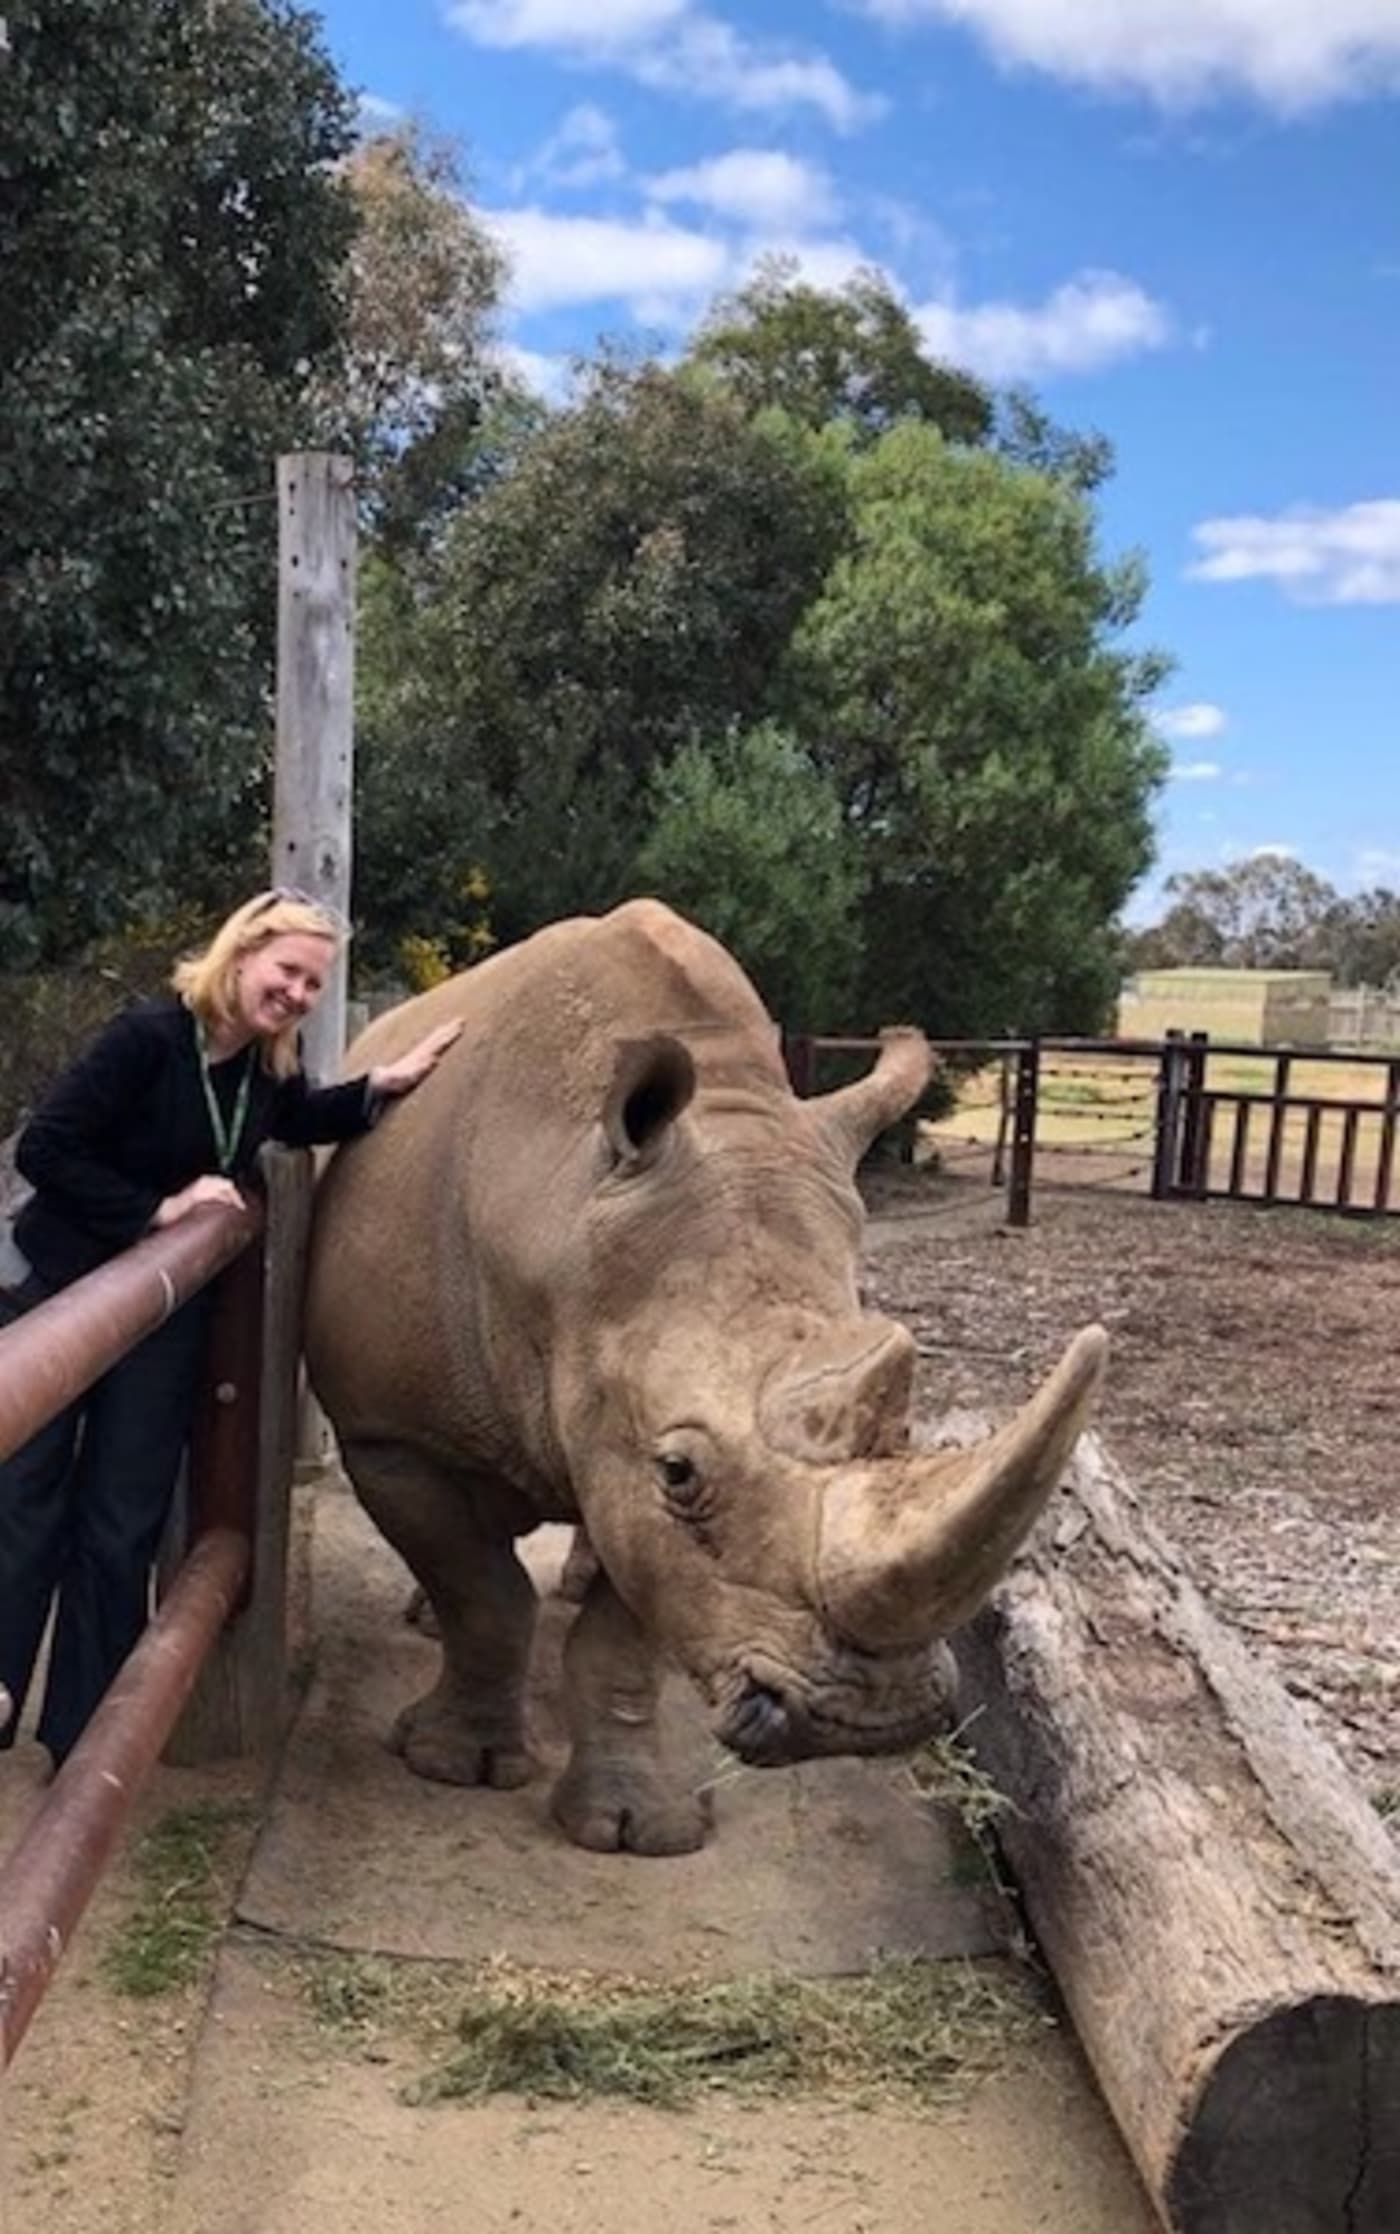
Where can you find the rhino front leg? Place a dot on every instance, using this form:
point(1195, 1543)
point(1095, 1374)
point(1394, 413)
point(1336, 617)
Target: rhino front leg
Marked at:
point(615, 1793)
point(470, 1728)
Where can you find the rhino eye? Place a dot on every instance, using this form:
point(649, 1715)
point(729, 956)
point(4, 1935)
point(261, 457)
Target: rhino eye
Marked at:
point(678, 1473)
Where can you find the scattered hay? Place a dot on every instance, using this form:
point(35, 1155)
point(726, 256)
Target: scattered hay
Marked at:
point(945, 1773)
point(908, 2029)
point(182, 1867)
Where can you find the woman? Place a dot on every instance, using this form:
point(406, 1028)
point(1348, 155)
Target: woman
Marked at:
point(165, 1111)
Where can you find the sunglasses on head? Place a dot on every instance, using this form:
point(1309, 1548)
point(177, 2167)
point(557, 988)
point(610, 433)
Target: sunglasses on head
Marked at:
point(278, 892)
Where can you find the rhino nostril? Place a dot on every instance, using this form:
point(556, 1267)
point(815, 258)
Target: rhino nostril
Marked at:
point(758, 1724)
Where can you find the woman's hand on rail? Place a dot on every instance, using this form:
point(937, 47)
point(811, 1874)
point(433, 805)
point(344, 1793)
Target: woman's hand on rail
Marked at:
point(209, 1188)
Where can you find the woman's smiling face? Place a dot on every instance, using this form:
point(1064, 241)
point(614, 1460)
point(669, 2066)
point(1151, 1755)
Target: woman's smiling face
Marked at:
point(279, 983)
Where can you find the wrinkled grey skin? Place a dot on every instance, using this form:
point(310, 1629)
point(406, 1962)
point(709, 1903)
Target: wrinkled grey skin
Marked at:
point(602, 1267)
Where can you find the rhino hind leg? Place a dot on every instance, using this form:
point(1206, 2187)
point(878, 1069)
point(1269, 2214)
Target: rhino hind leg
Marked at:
point(616, 1794)
point(470, 1727)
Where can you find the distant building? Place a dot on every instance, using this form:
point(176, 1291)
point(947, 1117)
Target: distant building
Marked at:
point(1264, 1008)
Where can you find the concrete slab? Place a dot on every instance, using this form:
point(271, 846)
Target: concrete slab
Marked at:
point(814, 1869)
point(286, 2134)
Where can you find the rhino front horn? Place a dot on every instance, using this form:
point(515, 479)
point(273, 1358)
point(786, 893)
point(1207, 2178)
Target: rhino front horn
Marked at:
point(910, 1546)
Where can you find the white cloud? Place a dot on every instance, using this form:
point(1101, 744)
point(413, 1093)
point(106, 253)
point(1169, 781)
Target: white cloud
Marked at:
point(1199, 719)
point(1377, 865)
point(1290, 54)
point(1092, 320)
point(582, 152)
point(673, 45)
point(374, 114)
point(1348, 556)
point(1272, 853)
point(757, 186)
point(1197, 771)
point(558, 259)
point(594, 28)
point(546, 376)
point(665, 273)
point(710, 57)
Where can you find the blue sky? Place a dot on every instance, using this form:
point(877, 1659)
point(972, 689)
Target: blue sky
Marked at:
point(1178, 220)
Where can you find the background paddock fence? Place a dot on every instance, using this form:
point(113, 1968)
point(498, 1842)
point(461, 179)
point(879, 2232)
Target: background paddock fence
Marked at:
point(1364, 1016)
point(1181, 1118)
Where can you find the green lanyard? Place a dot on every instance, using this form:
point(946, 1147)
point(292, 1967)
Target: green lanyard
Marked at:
point(226, 1136)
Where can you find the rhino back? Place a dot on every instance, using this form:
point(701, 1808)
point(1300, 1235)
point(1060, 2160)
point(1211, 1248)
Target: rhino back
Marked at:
point(441, 1238)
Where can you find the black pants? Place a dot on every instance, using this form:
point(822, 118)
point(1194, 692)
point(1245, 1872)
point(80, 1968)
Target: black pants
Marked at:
point(82, 1507)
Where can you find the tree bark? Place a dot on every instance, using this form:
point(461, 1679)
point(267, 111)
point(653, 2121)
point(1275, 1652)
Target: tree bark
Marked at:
point(1218, 1901)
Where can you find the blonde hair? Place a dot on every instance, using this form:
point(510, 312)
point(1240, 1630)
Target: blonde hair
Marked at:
point(207, 982)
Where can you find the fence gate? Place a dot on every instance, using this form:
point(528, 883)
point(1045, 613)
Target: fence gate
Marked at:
point(1287, 1142)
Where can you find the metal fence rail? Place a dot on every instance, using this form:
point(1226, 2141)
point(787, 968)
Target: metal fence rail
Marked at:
point(226, 1683)
point(1196, 1138)
point(49, 1877)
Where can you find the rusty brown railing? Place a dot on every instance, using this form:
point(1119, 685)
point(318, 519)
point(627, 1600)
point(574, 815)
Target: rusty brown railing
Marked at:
point(47, 1359)
point(60, 1348)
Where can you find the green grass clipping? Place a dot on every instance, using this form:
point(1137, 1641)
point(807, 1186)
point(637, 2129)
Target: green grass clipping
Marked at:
point(907, 2028)
point(182, 1871)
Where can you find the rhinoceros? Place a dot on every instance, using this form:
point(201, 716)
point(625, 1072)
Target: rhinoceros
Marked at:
point(602, 1267)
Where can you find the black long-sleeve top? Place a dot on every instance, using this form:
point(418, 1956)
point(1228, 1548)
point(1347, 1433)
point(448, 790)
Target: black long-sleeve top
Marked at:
point(128, 1124)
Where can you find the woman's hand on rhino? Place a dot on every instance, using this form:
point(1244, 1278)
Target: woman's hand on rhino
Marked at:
point(210, 1188)
point(401, 1077)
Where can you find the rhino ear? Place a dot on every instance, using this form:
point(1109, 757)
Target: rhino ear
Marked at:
point(653, 1079)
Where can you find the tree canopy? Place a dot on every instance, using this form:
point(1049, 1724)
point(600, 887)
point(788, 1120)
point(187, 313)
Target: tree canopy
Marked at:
point(628, 585)
point(749, 836)
point(959, 680)
point(810, 632)
point(1268, 911)
point(852, 356)
point(172, 235)
point(857, 701)
point(409, 392)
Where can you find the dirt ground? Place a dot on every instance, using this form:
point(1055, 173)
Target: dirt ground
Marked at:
point(1252, 1398)
point(355, 1926)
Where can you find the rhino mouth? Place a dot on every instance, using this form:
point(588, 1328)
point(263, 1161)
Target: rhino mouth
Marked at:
point(769, 1722)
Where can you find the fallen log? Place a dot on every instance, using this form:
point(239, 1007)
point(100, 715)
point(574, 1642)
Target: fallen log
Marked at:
point(1217, 1900)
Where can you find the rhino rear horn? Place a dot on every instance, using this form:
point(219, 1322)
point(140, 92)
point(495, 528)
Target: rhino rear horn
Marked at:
point(653, 1079)
point(911, 1546)
point(852, 1116)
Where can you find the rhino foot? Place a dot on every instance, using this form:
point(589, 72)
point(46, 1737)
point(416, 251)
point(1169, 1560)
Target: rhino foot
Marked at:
point(626, 1811)
point(450, 1748)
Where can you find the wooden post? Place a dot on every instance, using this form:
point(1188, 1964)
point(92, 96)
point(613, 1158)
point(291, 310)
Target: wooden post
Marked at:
point(1165, 1155)
point(240, 1703)
point(311, 825)
point(1278, 1126)
point(312, 830)
point(1192, 1175)
point(1385, 1153)
point(1004, 1105)
point(1018, 1200)
point(800, 1056)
